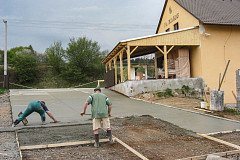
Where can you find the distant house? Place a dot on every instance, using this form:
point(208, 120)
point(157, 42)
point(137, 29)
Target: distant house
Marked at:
point(194, 38)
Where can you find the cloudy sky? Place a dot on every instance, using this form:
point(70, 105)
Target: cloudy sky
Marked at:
point(41, 22)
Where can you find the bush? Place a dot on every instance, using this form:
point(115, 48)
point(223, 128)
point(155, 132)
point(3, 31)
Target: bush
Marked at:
point(167, 93)
point(26, 68)
point(232, 111)
point(2, 90)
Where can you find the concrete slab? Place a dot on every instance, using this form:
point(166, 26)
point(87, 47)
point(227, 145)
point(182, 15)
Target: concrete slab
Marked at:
point(66, 105)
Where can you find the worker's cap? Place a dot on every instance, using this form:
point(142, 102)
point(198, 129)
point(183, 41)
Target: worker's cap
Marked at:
point(97, 89)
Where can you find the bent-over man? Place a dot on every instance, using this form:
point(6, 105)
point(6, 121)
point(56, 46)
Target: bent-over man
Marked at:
point(35, 106)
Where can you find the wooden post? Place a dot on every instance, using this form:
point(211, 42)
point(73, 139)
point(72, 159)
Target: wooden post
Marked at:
point(155, 66)
point(121, 66)
point(129, 62)
point(106, 67)
point(110, 65)
point(115, 68)
point(165, 62)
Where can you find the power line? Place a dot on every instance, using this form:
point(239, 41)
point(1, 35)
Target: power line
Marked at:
point(79, 25)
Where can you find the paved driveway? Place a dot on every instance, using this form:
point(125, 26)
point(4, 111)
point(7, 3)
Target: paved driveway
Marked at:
point(66, 105)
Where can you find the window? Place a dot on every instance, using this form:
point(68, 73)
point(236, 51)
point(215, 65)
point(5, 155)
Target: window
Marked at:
point(168, 30)
point(176, 26)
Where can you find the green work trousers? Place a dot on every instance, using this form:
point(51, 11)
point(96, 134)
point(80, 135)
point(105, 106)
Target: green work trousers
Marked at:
point(33, 107)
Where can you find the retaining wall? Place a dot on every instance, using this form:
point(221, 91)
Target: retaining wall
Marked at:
point(132, 88)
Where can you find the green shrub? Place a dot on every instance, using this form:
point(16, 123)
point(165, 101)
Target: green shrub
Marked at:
point(2, 90)
point(232, 111)
point(167, 93)
point(185, 89)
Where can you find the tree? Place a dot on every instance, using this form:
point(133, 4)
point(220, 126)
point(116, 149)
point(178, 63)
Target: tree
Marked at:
point(84, 60)
point(1, 57)
point(55, 57)
point(26, 68)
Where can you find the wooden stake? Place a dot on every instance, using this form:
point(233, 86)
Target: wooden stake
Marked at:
point(130, 149)
point(220, 141)
point(76, 143)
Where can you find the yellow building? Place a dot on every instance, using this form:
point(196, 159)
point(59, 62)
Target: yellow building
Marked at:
point(194, 38)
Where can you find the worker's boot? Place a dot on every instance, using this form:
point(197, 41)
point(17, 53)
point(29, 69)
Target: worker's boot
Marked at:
point(16, 122)
point(109, 135)
point(96, 144)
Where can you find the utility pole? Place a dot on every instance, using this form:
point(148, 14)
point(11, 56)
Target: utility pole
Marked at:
point(5, 82)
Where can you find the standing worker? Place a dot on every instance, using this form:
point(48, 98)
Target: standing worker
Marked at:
point(100, 111)
point(36, 106)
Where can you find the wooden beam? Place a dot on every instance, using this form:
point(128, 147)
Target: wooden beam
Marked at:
point(165, 62)
point(133, 49)
point(159, 49)
point(115, 69)
point(155, 66)
point(227, 153)
point(110, 65)
point(76, 143)
point(220, 141)
point(170, 49)
point(121, 66)
point(106, 68)
point(130, 149)
point(129, 62)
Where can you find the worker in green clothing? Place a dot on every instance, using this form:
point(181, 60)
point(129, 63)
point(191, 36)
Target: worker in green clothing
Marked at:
point(35, 106)
point(100, 111)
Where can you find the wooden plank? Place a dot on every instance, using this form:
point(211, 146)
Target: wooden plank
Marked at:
point(201, 157)
point(130, 149)
point(76, 143)
point(220, 141)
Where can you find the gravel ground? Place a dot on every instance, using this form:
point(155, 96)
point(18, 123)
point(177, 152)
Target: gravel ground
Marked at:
point(5, 110)
point(8, 145)
point(192, 104)
point(36, 136)
point(154, 138)
point(105, 152)
point(233, 137)
point(157, 139)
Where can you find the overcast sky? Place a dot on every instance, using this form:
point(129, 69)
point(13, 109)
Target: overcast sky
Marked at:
point(41, 22)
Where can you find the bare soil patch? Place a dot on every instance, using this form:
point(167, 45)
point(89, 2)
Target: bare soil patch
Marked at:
point(106, 152)
point(233, 137)
point(192, 104)
point(154, 138)
point(157, 139)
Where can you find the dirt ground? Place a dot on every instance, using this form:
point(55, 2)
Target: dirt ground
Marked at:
point(233, 137)
point(153, 138)
point(192, 104)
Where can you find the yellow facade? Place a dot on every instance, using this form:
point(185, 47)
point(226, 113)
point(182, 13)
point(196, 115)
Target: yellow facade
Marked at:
point(209, 47)
point(221, 44)
point(173, 14)
point(218, 44)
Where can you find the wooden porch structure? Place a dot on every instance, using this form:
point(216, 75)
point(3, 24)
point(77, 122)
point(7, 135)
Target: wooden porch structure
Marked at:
point(163, 43)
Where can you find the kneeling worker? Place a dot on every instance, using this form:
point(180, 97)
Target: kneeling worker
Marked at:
point(101, 110)
point(36, 106)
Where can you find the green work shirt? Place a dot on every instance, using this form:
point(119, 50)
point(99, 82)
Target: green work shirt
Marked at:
point(100, 103)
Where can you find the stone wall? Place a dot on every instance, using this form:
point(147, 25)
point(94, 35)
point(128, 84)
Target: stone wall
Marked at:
point(132, 88)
